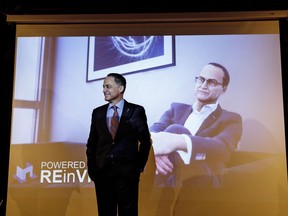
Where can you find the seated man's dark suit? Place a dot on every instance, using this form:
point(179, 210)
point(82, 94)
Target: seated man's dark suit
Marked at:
point(212, 144)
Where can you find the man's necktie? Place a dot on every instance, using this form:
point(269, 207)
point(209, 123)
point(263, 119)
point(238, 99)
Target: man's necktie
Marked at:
point(114, 122)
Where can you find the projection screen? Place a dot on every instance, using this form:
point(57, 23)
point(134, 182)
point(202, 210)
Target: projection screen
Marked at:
point(59, 71)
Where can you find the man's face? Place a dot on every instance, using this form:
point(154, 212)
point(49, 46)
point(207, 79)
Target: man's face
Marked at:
point(112, 91)
point(206, 93)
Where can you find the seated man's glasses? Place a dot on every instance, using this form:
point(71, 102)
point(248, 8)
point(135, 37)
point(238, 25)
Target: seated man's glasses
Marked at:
point(209, 82)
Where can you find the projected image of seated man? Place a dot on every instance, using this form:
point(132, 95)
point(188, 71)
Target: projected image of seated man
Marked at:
point(193, 142)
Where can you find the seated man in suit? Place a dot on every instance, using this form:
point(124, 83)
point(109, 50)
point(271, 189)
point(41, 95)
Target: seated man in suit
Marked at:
point(193, 143)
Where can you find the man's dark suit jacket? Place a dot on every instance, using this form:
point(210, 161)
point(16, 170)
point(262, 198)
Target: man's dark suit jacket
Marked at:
point(131, 144)
point(212, 144)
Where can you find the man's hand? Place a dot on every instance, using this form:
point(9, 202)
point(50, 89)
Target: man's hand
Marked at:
point(165, 143)
point(163, 165)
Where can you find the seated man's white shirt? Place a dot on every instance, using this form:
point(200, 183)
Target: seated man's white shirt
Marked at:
point(193, 123)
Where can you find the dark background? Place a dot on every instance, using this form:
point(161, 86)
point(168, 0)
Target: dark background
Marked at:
point(29, 7)
point(129, 6)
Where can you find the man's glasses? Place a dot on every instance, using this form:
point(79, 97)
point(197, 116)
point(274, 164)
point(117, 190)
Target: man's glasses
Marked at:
point(209, 82)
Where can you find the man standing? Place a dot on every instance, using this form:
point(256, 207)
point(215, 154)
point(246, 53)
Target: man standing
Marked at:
point(117, 150)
